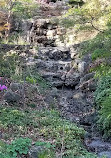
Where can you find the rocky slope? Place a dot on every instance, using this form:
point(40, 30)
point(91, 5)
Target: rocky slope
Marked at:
point(72, 84)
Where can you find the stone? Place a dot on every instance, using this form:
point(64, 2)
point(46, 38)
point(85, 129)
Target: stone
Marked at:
point(92, 85)
point(11, 96)
point(51, 34)
point(82, 67)
point(27, 25)
point(99, 146)
point(34, 151)
point(16, 87)
point(106, 154)
point(72, 79)
point(74, 52)
point(87, 77)
point(87, 58)
point(88, 119)
point(79, 95)
point(89, 85)
point(54, 92)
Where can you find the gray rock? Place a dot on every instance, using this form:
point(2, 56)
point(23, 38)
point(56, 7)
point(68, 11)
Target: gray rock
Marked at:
point(26, 25)
point(89, 85)
point(99, 146)
point(87, 77)
point(58, 55)
point(88, 119)
point(87, 58)
point(79, 95)
point(74, 52)
point(16, 87)
point(10, 96)
point(35, 151)
point(82, 67)
point(93, 85)
point(107, 154)
point(72, 79)
point(54, 92)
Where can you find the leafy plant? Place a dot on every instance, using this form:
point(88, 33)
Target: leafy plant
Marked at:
point(45, 144)
point(103, 101)
point(45, 124)
point(31, 80)
point(104, 121)
point(19, 146)
point(103, 90)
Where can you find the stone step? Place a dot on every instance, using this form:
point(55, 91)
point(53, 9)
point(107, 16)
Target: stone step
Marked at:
point(53, 66)
point(54, 53)
point(53, 78)
point(50, 65)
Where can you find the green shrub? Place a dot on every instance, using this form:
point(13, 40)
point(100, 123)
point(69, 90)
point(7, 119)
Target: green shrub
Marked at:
point(8, 64)
point(103, 101)
point(103, 89)
point(18, 147)
point(47, 125)
point(99, 46)
point(100, 53)
point(104, 122)
point(101, 71)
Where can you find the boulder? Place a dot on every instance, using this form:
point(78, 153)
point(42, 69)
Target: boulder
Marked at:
point(16, 87)
point(99, 146)
point(72, 79)
point(35, 151)
point(11, 96)
point(89, 85)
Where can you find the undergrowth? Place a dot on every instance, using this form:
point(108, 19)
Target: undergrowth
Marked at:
point(45, 125)
point(100, 49)
point(103, 101)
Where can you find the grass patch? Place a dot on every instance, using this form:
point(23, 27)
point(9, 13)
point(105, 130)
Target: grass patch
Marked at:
point(101, 70)
point(99, 47)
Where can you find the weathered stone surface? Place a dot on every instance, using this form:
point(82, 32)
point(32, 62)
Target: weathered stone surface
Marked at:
point(54, 53)
point(72, 79)
point(87, 77)
point(99, 146)
point(10, 96)
point(106, 154)
point(82, 67)
point(74, 51)
point(35, 151)
point(16, 87)
point(79, 95)
point(89, 85)
point(89, 118)
point(57, 54)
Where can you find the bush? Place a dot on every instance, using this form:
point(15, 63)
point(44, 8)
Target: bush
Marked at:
point(103, 89)
point(103, 101)
point(24, 9)
point(47, 125)
point(104, 122)
point(16, 148)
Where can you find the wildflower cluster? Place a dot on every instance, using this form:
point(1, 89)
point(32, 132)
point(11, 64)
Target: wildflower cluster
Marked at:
point(2, 87)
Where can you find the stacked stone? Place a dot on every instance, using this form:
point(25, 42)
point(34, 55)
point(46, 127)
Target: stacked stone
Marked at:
point(46, 33)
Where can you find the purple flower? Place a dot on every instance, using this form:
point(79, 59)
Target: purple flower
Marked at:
point(2, 87)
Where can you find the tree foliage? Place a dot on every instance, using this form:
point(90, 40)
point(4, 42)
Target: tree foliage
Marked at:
point(94, 13)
